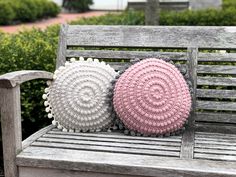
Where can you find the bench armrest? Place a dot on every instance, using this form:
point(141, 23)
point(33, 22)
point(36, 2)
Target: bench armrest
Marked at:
point(10, 109)
point(11, 80)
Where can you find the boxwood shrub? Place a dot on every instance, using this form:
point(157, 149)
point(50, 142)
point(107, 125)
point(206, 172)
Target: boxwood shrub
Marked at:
point(16, 11)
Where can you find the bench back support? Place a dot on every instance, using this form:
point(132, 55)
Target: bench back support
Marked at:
point(215, 82)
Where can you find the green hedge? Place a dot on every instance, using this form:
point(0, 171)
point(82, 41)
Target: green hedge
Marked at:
point(15, 11)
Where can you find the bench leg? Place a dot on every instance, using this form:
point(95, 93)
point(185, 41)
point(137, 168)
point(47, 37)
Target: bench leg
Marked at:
point(11, 128)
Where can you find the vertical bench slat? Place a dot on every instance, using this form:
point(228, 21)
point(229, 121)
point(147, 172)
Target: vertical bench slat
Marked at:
point(188, 136)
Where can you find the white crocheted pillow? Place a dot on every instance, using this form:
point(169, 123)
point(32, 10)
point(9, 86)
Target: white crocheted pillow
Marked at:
point(77, 96)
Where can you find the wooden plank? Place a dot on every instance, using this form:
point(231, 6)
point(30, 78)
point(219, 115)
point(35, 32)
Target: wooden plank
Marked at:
point(216, 117)
point(213, 93)
point(110, 144)
point(215, 127)
point(216, 69)
point(13, 79)
point(107, 149)
point(221, 135)
point(188, 136)
point(215, 151)
point(27, 142)
point(214, 157)
point(127, 164)
point(213, 139)
point(118, 140)
point(117, 135)
point(158, 36)
point(176, 56)
point(11, 128)
point(62, 43)
point(46, 172)
point(216, 105)
point(214, 146)
point(152, 12)
point(216, 81)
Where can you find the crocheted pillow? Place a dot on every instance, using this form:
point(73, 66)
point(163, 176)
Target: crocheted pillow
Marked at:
point(152, 98)
point(77, 96)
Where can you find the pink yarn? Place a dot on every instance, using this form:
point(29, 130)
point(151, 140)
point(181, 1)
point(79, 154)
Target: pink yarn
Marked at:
point(152, 97)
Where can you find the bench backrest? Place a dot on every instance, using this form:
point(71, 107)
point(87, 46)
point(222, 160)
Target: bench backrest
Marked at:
point(212, 72)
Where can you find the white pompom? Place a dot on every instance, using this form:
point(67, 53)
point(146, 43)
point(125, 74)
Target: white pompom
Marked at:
point(89, 59)
point(64, 130)
point(59, 126)
point(96, 60)
point(81, 58)
point(46, 103)
point(44, 96)
point(54, 122)
point(50, 116)
point(46, 90)
point(47, 109)
point(54, 76)
point(72, 59)
point(71, 130)
point(49, 83)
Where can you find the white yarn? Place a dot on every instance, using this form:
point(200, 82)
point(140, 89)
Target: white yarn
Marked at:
point(77, 97)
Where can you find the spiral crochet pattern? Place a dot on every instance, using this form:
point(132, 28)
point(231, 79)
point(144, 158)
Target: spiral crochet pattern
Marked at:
point(152, 97)
point(77, 96)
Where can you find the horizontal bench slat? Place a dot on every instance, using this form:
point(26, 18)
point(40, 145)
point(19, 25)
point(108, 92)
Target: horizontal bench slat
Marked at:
point(216, 117)
point(215, 127)
point(216, 105)
point(213, 93)
point(214, 157)
point(216, 81)
point(216, 69)
point(214, 146)
point(54, 139)
point(215, 151)
point(146, 36)
point(107, 149)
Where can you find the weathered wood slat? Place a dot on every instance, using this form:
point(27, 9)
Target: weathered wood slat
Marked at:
point(216, 105)
point(118, 140)
point(210, 139)
point(188, 136)
point(216, 81)
point(13, 79)
point(126, 55)
point(213, 93)
point(215, 142)
point(122, 163)
point(118, 135)
point(207, 134)
point(27, 142)
point(107, 149)
point(216, 69)
point(110, 144)
point(214, 157)
point(215, 151)
point(216, 117)
point(45, 172)
point(62, 43)
point(215, 146)
point(215, 127)
point(158, 36)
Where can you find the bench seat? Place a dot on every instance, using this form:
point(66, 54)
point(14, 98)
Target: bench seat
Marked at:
point(116, 153)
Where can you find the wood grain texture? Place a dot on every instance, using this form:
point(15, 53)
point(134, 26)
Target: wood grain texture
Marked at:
point(188, 136)
point(126, 164)
point(216, 81)
point(213, 93)
point(45, 172)
point(61, 53)
point(158, 36)
point(13, 79)
point(176, 56)
point(11, 128)
point(216, 105)
point(27, 142)
point(215, 127)
point(216, 117)
point(216, 69)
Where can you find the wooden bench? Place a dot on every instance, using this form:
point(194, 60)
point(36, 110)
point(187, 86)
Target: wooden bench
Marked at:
point(206, 148)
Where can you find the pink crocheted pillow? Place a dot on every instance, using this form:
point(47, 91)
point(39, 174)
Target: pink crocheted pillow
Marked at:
point(152, 98)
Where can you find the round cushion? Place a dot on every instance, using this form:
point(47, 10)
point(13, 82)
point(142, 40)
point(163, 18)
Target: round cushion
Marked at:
point(152, 97)
point(77, 96)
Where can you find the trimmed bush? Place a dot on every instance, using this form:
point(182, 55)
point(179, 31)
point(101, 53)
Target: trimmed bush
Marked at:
point(77, 5)
point(26, 10)
point(7, 13)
